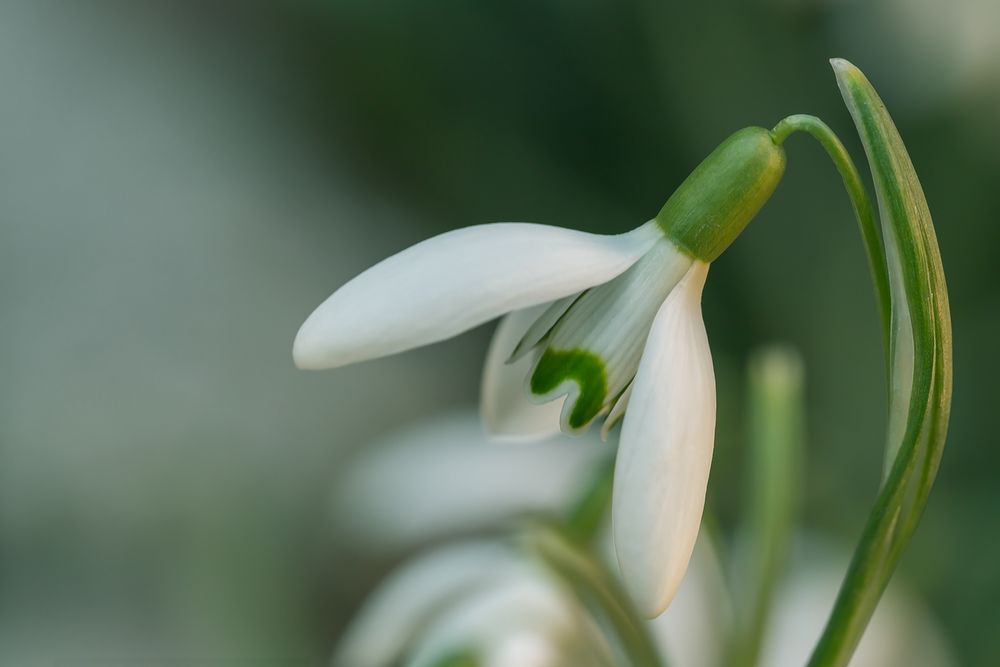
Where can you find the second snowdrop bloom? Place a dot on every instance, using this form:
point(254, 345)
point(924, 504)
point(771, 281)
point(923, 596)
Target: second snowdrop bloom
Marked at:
point(484, 603)
point(596, 327)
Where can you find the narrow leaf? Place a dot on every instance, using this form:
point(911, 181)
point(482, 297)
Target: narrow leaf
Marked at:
point(920, 368)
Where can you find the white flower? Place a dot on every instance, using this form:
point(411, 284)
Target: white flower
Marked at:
point(482, 598)
point(610, 298)
point(430, 481)
point(596, 326)
point(901, 632)
point(478, 593)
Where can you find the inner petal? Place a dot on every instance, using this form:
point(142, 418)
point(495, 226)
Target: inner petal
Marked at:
point(555, 368)
point(592, 351)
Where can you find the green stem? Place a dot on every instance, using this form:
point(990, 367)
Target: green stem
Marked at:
point(587, 514)
point(775, 443)
point(867, 222)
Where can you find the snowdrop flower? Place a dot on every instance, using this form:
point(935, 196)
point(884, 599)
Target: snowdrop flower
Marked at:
point(596, 326)
point(482, 599)
point(485, 601)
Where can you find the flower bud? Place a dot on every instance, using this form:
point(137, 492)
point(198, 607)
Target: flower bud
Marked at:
point(713, 205)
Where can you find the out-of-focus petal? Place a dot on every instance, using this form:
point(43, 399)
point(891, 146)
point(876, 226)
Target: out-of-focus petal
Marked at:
point(525, 619)
point(688, 632)
point(397, 610)
point(458, 280)
point(901, 632)
point(504, 406)
point(665, 450)
point(445, 475)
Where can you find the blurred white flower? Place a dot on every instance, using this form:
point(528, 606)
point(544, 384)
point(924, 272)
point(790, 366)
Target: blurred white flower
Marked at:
point(487, 599)
point(902, 633)
point(483, 595)
point(444, 476)
point(482, 598)
point(692, 632)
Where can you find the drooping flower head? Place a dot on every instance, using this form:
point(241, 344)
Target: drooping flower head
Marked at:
point(596, 327)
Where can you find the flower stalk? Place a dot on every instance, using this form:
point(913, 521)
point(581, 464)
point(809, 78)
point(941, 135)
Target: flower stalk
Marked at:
point(867, 222)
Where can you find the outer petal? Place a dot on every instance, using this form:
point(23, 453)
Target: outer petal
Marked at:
point(665, 450)
point(503, 404)
point(458, 280)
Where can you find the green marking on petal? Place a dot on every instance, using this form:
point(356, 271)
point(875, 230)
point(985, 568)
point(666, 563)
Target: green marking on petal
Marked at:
point(582, 367)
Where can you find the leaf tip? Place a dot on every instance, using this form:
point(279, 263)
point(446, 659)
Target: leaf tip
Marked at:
point(844, 69)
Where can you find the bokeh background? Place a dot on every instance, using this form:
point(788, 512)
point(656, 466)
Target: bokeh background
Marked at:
point(182, 182)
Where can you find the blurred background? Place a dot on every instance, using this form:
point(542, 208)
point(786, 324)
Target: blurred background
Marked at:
point(182, 182)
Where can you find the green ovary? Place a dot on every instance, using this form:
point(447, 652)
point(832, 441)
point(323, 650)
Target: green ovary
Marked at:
point(582, 367)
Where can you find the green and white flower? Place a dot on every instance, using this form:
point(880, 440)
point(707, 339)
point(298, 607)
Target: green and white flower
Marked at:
point(596, 326)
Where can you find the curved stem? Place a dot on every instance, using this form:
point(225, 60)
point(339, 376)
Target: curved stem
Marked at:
point(863, 210)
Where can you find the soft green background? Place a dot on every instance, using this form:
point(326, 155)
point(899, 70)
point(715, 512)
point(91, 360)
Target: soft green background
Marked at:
point(181, 182)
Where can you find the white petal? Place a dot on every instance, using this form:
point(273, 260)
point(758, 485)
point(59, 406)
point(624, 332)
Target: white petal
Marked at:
point(526, 649)
point(688, 632)
point(400, 605)
point(617, 412)
point(544, 322)
point(524, 604)
point(665, 450)
point(901, 632)
point(505, 409)
point(444, 476)
point(456, 281)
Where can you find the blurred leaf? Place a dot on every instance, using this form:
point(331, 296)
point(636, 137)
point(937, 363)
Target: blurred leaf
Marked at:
point(776, 438)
